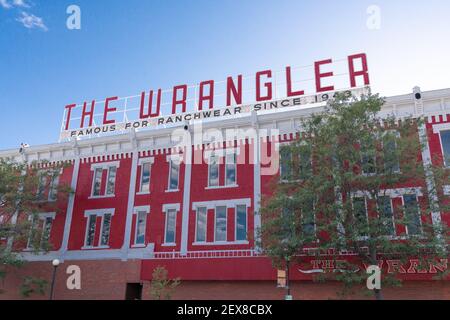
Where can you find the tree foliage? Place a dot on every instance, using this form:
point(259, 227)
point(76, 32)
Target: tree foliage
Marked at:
point(335, 192)
point(161, 287)
point(26, 190)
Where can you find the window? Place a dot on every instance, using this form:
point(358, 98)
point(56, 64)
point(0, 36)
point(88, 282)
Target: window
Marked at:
point(285, 163)
point(111, 181)
point(445, 142)
point(296, 166)
point(90, 233)
point(46, 228)
point(230, 169)
point(360, 214)
point(53, 188)
point(221, 224)
point(43, 222)
point(97, 181)
point(108, 190)
point(213, 171)
point(390, 152)
point(171, 216)
point(412, 214)
point(308, 220)
point(305, 165)
point(241, 223)
point(141, 221)
point(386, 215)
point(368, 160)
point(174, 171)
point(200, 234)
point(106, 226)
point(42, 182)
point(145, 178)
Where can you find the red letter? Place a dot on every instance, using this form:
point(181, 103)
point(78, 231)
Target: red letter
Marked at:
point(320, 75)
point(87, 113)
point(182, 101)
point(442, 266)
point(231, 88)
point(69, 112)
point(364, 72)
point(209, 97)
point(268, 85)
point(395, 265)
point(108, 109)
point(291, 93)
point(149, 114)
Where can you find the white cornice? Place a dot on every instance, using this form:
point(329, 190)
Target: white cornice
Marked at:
point(286, 120)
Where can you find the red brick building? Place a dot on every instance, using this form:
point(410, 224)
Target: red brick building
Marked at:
point(141, 201)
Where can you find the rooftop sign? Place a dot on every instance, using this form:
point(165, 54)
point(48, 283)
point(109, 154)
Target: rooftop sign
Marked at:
point(211, 99)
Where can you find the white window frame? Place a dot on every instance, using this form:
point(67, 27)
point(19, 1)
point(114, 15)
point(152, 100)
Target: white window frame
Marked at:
point(141, 163)
point(41, 217)
point(366, 210)
point(177, 159)
point(314, 222)
point(446, 165)
point(98, 213)
point(108, 172)
point(396, 146)
point(54, 183)
point(392, 211)
point(235, 222)
point(166, 207)
point(420, 234)
point(235, 169)
point(146, 211)
point(211, 205)
point(196, 225)
point(226, 225)
point(102, 225)
point(104, 166)
point(212, 155)
point(221, 153)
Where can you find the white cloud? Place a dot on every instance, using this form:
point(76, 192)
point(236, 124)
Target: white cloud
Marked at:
point(20, 3)
point(5, 4)
point(30, 21)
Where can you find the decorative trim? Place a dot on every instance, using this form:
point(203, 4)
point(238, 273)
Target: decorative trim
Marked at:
point(105, 165)
point(222, 203)
point(99, 212)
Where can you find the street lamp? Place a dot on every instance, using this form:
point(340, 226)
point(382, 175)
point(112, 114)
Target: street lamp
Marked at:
point(55, 264)
point(288, 288)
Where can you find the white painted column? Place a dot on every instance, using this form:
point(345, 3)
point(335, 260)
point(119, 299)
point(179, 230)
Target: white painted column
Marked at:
point(256, 180)
point(70, 206)
point(130, 207)
point(186, 197)
point(10, 241)
point(431, 186)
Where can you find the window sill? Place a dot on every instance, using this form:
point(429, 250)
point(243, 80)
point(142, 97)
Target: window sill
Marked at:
point(220, 243)
point(94, 248)
point(168, 244)
point(173, 190)
point(138, 246)
point(222, 187)
point(142, 193)
point(102, 197)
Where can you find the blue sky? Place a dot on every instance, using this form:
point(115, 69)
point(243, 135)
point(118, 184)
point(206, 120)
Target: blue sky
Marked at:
point(125, 47)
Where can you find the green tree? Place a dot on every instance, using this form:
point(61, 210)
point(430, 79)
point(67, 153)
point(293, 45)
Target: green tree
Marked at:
point(340, 177)
point(161, 287)
point(27, 189)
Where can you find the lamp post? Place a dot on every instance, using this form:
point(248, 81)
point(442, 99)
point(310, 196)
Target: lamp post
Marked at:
point(55, 264)
point(288, 288)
